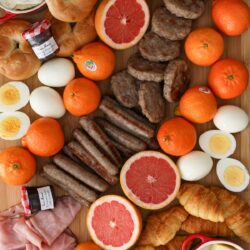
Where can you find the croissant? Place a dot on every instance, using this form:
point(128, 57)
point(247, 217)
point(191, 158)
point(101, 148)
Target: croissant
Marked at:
point(195, 225)
point(162, 227)
point(174, 244)
point(201, 202)
point(237, 213)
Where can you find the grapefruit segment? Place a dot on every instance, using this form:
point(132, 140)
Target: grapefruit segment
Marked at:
point(122, 23)
point(114, 223)
point(150, 179)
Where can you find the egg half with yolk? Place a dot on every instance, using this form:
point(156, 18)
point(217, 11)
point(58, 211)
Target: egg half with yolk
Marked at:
point(13, 125)
point(13, 96)
point(218, 144)
point(232, 174)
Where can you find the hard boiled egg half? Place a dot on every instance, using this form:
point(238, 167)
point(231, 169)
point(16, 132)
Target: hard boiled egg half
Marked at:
point(13, 96)
point(232, 174)
point(218, 144)
point(13, 125)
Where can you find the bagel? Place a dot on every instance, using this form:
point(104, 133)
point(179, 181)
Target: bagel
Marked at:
point(70, 10)
point(17, 60)
point(72, 36)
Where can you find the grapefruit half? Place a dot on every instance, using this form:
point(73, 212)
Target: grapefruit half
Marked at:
point(150, 179)
point(114, 223)
point(121, 24)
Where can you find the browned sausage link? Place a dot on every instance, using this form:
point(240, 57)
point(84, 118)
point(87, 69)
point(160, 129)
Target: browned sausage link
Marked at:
point(90, 161)
point(122, 137)
point(70, 183)
point(118, 115)
point(70, 192)
point(151, 143)
point(91, 148)
point(67, 152)
point(124, 151)
point(80, 173)
point(97, 134)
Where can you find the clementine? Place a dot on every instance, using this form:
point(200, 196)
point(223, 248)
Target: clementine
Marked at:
point(228, 78)
point(177, 136)
point(17, 166)
point(44, 137)
point(232, 17)
point(204, 46)
point(95, 61)
point(81, 96)
point(198, 104)
point(87, 246)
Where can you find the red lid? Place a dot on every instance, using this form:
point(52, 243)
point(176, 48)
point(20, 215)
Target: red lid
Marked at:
point(36, 29)
point(25, 201)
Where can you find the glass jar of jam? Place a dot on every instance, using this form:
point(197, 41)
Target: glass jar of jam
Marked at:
point(35, 199)
point(41, 40)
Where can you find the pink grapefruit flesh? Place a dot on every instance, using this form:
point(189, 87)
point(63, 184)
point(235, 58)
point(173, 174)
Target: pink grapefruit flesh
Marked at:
point(114, 223)
point(122, 23)
point(150, 179)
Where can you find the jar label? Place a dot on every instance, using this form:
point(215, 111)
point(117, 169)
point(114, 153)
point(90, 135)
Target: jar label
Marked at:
point(45, 49)
point(90, 65)
point(46, 198)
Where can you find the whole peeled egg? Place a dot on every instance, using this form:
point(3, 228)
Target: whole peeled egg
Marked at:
point(56, 72)
point(194, 165)
point(46, 102)
point(231, 119)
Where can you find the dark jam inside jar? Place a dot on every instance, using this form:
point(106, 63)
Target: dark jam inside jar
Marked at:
point(41, 40)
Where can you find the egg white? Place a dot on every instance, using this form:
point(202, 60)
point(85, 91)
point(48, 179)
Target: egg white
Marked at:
point(24, 94)
point(24, 121)
point(220, 169)
point(204, 143)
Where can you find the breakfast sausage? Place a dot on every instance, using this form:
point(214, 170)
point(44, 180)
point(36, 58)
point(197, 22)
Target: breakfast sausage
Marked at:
point(151, 143)
point(67, 152)
point(91, 148)
point(70, 192)
point(80, 173)
point(69, 182)
point(97, 134)
point(122, 137)
point(118, 115)
point(124, 151)
point(90, 161)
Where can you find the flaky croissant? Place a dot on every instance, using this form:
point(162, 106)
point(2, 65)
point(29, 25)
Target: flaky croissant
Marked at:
point(201, 202)
point(174, 244)
point(162, 227)
point(237, 213)
point(195, 225)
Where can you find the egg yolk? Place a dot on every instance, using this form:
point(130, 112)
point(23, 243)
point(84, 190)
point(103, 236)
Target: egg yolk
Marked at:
point(234, 176)
point(219, 144)
point(9, 95)
point(9, 127)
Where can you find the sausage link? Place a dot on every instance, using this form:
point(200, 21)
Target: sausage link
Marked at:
point(70, 183)
point(121, 118)
point(80, 173)
point(151, 143)
point(90, 161)
point(97, 134)
point(70, 192)
point(124, 151)
point(67, 152)
point(122, 137)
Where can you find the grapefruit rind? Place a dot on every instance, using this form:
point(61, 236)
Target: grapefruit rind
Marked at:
point(134, 212)
point(134, 198)
point(100, 20)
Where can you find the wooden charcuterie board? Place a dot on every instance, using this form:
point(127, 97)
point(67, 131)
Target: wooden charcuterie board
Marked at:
point(236, 47)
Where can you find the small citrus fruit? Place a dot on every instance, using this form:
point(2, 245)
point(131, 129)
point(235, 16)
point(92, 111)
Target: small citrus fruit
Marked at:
point(81, 96)
point(17, 166)
point(44, 137)
point(95, 61)
point(177, 136)
point(87, 246)
point(228, 78)
point(204, 46)
point(198, 104)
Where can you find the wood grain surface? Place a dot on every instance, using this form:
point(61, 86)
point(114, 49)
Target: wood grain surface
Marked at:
point(236, 47)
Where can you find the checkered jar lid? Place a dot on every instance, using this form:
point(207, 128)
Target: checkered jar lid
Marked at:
point(25, 201)
point(36, 29)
